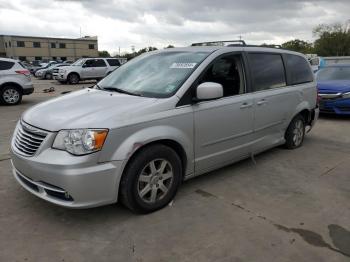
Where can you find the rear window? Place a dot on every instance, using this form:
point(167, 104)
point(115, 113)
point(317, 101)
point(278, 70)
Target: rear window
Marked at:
point(267, 71)
point(6, 65)
point(299, 70)
point(113, 62)
point(20, 63)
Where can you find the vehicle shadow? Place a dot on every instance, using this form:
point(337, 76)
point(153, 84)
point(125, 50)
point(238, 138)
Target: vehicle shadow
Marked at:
point(334, 116)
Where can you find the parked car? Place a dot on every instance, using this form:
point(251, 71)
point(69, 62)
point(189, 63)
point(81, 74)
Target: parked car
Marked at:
point(43, 66)
point(87, 68)
point(15, 81)
point(333, 84)
point(164, 117)
point(47, 73)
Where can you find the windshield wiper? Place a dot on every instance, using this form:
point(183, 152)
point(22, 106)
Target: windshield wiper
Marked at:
point(116, 89)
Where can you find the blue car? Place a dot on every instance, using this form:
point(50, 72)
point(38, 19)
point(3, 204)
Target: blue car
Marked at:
point(333, 84)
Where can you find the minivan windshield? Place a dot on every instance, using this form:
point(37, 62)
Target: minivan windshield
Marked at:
point(154, 75)
point(333, 73)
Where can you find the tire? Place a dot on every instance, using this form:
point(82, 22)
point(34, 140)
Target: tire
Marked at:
point(48, 76)
point(11, 95)
point(73, 78)
point(151, 179)
point(295, 133)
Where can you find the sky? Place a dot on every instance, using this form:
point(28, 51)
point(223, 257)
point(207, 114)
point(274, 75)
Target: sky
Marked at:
point(125, 23)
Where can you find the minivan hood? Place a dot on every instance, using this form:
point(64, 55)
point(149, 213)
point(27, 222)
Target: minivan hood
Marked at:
point(333, 87)
point(88, 108)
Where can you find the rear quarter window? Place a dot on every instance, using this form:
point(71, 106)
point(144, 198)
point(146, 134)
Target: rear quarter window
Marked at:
point(267, 71)
point(299, 69)
point(6, 65)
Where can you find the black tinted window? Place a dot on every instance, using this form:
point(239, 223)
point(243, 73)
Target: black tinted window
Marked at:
point(20, 43)
point(113, 62)
point(62, 45)
point(267, 71)
point(6, 65)
point(99, 63)
point(95, 63)
point(299, 70)
point(36, 44)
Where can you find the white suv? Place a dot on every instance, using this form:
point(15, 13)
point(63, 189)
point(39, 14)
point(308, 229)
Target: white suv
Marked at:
point(15, 81)
point(86, 68)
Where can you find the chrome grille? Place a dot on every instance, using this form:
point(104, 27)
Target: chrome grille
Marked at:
point(55, 70)
point(28, 139)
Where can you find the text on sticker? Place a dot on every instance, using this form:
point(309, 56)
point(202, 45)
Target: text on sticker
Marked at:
point(183, 65)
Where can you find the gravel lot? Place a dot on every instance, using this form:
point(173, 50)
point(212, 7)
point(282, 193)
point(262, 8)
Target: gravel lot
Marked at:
point(289, 206)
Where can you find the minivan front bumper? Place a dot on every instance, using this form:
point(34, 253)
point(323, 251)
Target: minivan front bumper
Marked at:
point(67, 180)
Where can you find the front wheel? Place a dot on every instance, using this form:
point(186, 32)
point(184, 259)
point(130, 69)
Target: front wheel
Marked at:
point(48, 76)
point(73, 79)
point(10, 95)
point(151, 179)
point(295, 133)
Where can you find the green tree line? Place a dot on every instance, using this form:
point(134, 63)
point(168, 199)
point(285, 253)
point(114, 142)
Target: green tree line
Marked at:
point(331, 40)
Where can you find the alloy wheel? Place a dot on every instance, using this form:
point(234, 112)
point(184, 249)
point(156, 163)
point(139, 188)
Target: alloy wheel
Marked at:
point(11, 96)
point(298, 132)
point(155, 181)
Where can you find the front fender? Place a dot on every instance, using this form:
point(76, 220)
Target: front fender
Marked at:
point(149, 135)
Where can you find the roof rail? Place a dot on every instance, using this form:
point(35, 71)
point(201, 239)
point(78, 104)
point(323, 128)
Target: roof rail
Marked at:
point(220, 43)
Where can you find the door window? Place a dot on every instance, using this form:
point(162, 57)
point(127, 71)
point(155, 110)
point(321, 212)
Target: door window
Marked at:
point(267, 71)
point(227, 71)
point(95, 63)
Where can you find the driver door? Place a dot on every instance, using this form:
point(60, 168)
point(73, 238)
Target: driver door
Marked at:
point(223, 127)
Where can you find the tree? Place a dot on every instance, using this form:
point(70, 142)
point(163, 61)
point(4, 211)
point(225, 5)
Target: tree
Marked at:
point(103, 53)
point(333, 39)
point(130, 56)
point(298, 46)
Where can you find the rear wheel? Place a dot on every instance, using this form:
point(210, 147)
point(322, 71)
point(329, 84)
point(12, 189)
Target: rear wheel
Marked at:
point(11, 95)
point(151, 179)
point(295, 133)
point(73, 78)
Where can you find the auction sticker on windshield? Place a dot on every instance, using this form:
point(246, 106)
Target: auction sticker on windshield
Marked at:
point(183, 65)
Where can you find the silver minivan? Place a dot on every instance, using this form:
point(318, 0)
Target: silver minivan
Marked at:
point(160, 119)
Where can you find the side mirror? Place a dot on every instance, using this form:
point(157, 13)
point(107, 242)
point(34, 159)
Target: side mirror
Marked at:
point(209, 91)
point(84, 65)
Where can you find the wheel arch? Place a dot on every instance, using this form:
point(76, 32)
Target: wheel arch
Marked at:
point(169, 136)
point(305, 111)
point(11, 84)
point(72, 73)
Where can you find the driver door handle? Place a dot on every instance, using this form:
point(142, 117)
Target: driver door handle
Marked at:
point(246, 105)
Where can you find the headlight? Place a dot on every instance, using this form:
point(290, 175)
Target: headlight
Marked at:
point(80, 141)
point(346, 95)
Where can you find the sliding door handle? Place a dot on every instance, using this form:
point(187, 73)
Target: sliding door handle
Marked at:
point(261, 102)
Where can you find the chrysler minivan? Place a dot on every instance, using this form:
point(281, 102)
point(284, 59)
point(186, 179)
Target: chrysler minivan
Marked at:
point(162, 118)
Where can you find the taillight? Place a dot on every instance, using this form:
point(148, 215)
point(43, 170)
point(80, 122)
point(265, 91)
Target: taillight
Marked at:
point(318, 98)
point(23, 72)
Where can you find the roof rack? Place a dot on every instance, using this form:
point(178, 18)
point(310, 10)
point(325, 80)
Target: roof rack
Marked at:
point(221, 43)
